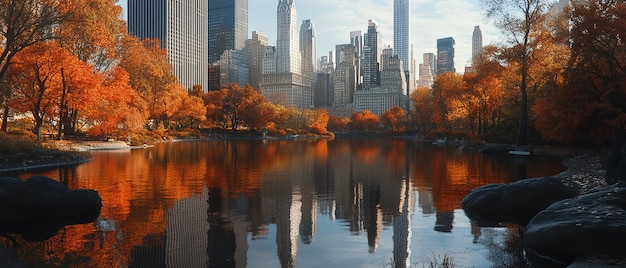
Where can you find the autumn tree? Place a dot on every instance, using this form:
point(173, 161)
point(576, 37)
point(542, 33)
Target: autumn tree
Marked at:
point(445, 91)
point(113, 108)
point(593, 105)
point(521, 22)
point(23, 23)
point(152, 77)
point(394, 118)
point(364, 121)
point(319, 122)
point(34, 75)
point(240, 103)
point(488, 89)
point(191, 112)
point(422, 108)
point(91, 31)
point(336, 123)
point(214, 101)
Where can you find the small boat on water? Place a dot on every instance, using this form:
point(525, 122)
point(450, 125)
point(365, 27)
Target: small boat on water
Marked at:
point(439, 141)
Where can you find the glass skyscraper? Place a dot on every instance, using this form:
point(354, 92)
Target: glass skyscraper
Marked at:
point(228, 26)
point(401, 31)
point(181, 27)
point(445, 55)
point(477, 41)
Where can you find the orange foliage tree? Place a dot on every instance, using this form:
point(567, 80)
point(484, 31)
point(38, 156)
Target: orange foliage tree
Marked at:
point(213, 101)
point(394, 119)
point(24, 23)
point(90, 31)
point(336, 123)
point(35, 74)
point(591, 105)
point(422, 109)
point(320, 122)
point(152, 77)
point(364, 121)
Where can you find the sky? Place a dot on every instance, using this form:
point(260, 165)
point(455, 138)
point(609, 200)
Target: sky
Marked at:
point(335, 19)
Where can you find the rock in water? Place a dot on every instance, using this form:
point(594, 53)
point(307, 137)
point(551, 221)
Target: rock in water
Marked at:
point(517, 202)
point(40, 206)
point(590, 224)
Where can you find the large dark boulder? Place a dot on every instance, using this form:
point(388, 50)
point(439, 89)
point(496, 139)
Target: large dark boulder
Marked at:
point(39, 206)
point(518, 202)
point(590, 224)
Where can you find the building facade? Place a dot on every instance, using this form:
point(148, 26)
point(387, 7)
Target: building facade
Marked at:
point(228, 26)
point(182, 28)
point(477, 42)
point(308, 46)
point(283, 81)
point(356, 39)
point(401, 31)
point(256, 53)
point(391, 92)
point(427, 70)
point(344, 82)
point(371, 55)
point(445, 56)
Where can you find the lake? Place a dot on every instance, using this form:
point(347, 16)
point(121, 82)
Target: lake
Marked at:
point(347, 202)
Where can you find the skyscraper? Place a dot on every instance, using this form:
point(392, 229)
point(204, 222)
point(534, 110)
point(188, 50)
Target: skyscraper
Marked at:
point(288, 42)
point(401, 31)
point(308, 46)
point(445, 55)
point(345, 75)
point(356, 39)
point(427, 70)
point(228, 26)
point(182, 28)
point(283, 82)
point(371, 55)
point(477, 41)
point(256, 52)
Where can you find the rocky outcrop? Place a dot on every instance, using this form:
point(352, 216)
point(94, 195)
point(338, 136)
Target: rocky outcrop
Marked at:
point(517, 202)
point(39, 206)
point(590, 224)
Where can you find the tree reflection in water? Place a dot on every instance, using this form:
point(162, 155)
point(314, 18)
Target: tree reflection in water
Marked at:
point(354, 202)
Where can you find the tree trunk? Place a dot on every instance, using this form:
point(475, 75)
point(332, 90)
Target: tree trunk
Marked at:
point(5, 118)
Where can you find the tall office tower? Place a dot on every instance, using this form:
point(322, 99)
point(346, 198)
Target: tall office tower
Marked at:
point(182, 27)
point(356, 39)
point(477, 42)
point(371, 54)
point(308, 46)
point(392, 76)
point(288, 42)
point(283, 82)
point(345, 75)
point(228, 26)
point(401, 31)
point(256, 53)
point(412, 83)
point(445, 55)
point(427, 70)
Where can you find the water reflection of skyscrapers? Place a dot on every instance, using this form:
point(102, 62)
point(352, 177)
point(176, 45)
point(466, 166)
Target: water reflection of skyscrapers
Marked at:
point(288, 218)
point(402, 226)
point(187, 227)
point(309, 212)
point(227, 231)
point(373, 218)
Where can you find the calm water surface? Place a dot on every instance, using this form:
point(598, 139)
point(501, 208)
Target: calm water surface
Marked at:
point(339, 203)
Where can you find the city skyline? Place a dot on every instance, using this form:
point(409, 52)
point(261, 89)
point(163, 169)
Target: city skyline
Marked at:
point(334, 20)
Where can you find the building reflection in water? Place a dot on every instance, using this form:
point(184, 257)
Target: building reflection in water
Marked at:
point(205, 205)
